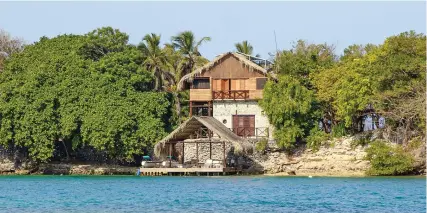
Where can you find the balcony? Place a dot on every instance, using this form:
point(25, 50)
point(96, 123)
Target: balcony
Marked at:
point(251, 132)
point(230, 94)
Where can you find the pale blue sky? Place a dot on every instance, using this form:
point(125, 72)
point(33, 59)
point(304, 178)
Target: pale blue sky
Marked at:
point(338, 23)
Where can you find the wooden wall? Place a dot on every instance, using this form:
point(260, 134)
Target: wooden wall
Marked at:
point(200, 94)
point(255, 94)
point(234, 84)
point(231, 67)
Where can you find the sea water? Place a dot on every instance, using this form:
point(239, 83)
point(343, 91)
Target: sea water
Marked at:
point(211, 194)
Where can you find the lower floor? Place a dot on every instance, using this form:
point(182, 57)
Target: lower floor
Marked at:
point(244, 118)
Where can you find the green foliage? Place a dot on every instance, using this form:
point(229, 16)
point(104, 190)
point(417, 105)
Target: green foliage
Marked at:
point(387, 160)
point(390, 76)
point(289, 107)
point(316, 138)
point(87, 90)
point(261, 146)
point(245, 47)
point(303, 60)
point(339, 130)
point(363, 140)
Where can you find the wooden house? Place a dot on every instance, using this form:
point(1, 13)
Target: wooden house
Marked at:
point(224, 114)
point(228, 88)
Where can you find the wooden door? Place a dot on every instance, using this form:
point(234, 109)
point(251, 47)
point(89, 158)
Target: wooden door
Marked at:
point(244, 125)
point(225, 84)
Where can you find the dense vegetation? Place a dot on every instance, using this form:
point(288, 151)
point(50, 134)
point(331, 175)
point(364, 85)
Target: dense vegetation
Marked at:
point(388, 160)
point(97, 90)
point(94, 90)
point(315, 84)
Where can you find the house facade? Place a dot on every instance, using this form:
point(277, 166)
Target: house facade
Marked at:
point(228, 88)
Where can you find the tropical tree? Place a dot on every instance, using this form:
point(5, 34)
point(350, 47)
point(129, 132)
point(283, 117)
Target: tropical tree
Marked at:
point(155, 60)
point(8, 46)
point(188, 46)
point(245, 47)
point(56, 93)
point(290, 107)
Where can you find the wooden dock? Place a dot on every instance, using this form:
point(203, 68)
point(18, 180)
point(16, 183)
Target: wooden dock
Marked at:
point(188, 171)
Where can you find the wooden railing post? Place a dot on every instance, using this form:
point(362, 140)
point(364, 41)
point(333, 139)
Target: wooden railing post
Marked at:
point(256, 133)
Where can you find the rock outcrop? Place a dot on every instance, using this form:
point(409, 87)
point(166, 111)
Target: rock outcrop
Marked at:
point(338, 158)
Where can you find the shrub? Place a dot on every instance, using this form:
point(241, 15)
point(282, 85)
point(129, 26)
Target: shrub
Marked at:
point(363, 140)
point(315, 139)
point(387, 160)
point(339, 130)
point(261, 145)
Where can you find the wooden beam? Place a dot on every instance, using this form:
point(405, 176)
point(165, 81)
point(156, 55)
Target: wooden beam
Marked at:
point(223, 147)
point(175, 142)
point(191, 108)
point(209, 108)
point(197, 153)
point(170, 155)
point(210, 149)
point(183, 153)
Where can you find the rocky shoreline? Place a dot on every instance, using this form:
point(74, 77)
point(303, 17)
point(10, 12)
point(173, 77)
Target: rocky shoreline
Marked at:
point(336, 158)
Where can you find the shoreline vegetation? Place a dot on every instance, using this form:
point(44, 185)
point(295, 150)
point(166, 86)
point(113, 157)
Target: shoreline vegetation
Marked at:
point(97, 98)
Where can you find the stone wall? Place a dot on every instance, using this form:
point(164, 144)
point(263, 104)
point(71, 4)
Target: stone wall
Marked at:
point(190, 152)
point(224, 110)
point(336, 159)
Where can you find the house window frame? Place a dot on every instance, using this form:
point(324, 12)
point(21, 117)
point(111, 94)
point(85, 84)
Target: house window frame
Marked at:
point(201, 78)
point(259, 83)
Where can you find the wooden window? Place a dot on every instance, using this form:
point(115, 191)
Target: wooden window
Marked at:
point(260, 83)
point(201, 83)
point(238, 84)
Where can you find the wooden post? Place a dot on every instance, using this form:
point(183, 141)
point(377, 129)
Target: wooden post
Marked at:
point(191, 108)
point(256, 133)
point(170, 155)
point(197, 153)
point(223, 147)
point(210, 145)
point(183, 154)
point(209, 108)
point(210, 148)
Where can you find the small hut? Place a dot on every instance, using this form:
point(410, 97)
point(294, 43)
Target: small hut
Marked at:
point(200, 139)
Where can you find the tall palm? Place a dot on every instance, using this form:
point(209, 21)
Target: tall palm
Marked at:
point(155, 59)
point(245, 47)
point(187, 44)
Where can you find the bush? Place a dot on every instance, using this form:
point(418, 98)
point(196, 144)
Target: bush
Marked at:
point(315, 139)
point(261, 145)
point(363, 140)
point(387, 160)
point(339, 130)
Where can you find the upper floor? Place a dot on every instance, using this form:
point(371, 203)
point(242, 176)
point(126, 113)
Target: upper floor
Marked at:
point(230, 76)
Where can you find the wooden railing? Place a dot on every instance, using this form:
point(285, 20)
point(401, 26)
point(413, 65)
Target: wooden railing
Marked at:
point(248, 132)
point(230, 94)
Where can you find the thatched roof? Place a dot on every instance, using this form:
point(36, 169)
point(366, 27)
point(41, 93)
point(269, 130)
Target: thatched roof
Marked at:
point(186, 129)
point(246, 62)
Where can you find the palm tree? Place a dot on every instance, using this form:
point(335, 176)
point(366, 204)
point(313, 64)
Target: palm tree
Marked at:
point(245, 47)
point(186, 43)
point(155, 59)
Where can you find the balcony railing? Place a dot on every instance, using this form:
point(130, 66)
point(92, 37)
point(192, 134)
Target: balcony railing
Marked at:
point(230, 94)
point(251, 132)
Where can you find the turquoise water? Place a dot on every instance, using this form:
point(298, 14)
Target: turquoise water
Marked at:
point(210, 194)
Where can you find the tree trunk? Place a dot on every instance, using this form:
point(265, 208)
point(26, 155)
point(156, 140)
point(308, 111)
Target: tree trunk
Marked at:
point(66, 150)
point(177, 106)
